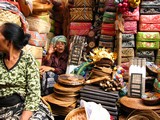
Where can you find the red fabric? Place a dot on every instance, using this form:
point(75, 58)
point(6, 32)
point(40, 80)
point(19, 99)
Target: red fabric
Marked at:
point(150, 19)
point(14, 3)
point(130, 27)
point(133, 16)
point(80, 28)
point(108, 29)
point(149, 27)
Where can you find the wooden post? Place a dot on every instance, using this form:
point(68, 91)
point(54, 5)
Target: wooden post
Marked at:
point(119, 38)
point(119, 27)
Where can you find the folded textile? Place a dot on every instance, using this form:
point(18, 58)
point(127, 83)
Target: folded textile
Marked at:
point(149, 27)
point(155, 19)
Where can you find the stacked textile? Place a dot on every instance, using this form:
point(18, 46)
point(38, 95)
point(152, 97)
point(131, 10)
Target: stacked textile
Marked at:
point(106, 99)
point(131, 19)
point(107, 37)
point(149, 25)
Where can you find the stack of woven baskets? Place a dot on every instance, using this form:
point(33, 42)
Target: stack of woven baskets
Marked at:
point(65, 96)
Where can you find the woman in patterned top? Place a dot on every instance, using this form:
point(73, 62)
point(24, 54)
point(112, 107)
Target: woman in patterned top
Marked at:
point(54, 63)
point(19, 78)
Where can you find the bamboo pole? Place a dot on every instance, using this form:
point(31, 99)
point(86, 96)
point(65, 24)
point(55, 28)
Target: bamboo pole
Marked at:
point(119, 27)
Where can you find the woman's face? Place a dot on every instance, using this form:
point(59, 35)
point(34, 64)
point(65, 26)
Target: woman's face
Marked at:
point(3, 43)
point(60, 46)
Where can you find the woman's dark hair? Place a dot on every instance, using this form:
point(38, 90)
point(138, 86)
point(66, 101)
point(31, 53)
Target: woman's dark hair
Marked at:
point(15, 34)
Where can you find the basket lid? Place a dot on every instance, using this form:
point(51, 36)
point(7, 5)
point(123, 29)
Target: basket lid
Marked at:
point(71, 79)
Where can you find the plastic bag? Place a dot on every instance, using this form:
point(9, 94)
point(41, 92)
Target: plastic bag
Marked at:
point(95, 111)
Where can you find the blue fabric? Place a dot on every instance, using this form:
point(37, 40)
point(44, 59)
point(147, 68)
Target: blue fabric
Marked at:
point(48, 80)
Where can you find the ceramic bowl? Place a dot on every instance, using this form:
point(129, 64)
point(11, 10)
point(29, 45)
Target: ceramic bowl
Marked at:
point(150, 99)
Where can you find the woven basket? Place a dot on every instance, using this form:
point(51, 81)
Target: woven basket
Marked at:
point(143, 115)
point(39, 25)
point(7, 16)
point(76, 114)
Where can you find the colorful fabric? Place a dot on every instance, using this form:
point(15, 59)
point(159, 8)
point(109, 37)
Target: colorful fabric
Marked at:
point(48, 80)
point(10, 7)
point(60, 38)
point(15, 112)
point(23, 78)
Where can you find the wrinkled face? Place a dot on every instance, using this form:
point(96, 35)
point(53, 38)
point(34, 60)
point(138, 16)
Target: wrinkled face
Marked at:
point(60, 46)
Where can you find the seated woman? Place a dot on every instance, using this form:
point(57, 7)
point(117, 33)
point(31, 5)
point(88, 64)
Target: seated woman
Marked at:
point(54, 63)
point(19, 78)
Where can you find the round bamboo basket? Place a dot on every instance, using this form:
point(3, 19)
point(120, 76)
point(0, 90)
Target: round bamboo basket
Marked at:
point(143, 115)
point(76, 114)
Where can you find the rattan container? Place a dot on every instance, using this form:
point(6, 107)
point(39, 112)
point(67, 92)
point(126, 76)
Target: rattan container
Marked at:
point(76, 114)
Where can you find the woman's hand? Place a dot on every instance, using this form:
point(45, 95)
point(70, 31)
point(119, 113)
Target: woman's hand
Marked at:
point(26, 115)
point(44, 69)
point(51, 49)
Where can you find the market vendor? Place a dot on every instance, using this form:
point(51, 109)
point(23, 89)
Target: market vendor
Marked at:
point(54, 63)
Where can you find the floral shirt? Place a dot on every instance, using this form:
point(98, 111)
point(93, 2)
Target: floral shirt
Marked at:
point(59, 63)
point(23, 78)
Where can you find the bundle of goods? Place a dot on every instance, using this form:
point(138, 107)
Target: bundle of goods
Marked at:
point(149, 55)
point(10, 13)
point(131, 16)
point(108, 100)
point(7, 16)
point(110, 6)
point(149, 23)
point(127, 54)
point(128, 40)
point(79, 28)
point(109, 17)
point(107, 26)
point(37, 24)
point(37, 39)
point(147, 40)
point(108, 29)
point(130, 27)
point(150, 7)
point(106, 41)
point(65, 95)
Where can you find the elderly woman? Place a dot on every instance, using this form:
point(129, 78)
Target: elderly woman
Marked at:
point(54, 63)
point(19, 78)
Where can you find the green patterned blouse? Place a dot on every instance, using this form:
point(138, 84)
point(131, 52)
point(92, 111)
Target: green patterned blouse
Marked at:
point(23, 78)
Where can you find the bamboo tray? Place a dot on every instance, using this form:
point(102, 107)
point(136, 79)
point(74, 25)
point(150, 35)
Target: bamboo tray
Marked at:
point(136, 103)
point(50, 98)
point(67, 89)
